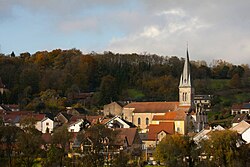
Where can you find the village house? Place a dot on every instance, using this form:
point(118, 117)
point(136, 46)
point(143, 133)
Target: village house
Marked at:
point(240, 109)
point(243, 129)
point(113, 108)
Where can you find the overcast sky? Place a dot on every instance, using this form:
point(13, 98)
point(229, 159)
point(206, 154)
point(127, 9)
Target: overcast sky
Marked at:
point(214, 29)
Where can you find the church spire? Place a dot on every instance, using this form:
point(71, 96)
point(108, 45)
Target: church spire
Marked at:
point(186, 91)
point(185, 79)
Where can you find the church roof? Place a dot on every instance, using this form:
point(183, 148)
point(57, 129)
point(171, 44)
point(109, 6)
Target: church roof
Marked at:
point(175, 115)
point(152, 107)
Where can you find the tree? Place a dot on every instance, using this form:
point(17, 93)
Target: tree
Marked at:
point(223, 148)
point(8, 137)
point(60, 140)
point(101, 139)
point(29, 142)
point(235, 82)
point(173, 150)
point(108, 90)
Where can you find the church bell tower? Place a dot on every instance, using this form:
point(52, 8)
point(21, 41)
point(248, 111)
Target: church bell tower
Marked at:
point(186, 91)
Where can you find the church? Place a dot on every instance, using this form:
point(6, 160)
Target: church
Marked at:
point(159, 118)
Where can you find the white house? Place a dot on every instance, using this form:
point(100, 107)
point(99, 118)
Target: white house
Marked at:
point(243, 128)
point(203, 135)
point(45, 125)
point(75, 126)
point(246, 135)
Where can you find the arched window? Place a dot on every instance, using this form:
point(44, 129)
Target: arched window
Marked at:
point(183, 97)
point(147, 121)
point(139, 121)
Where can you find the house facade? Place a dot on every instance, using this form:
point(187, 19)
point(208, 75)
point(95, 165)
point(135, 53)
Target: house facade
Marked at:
point(113, 108)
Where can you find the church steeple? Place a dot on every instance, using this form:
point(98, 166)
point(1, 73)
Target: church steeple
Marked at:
point(186, 76)
point(186, 92)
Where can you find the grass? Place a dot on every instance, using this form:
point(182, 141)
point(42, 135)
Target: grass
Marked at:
point(135, 94)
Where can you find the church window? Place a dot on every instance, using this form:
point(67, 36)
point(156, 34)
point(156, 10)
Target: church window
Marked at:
point(139, 121)
point(147, 121)
point(183, 97)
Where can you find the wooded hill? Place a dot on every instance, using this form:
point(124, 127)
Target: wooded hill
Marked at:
point(31, 79)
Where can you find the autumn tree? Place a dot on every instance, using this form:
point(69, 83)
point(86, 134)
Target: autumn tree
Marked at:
point(60, 140)
point(108, 90)
point(8, 138)
point(173, 150)
point(29, 142)
point(223, 149)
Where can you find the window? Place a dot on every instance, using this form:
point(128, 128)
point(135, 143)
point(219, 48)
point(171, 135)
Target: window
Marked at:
point(47, 124)
point(72, 130)
point(147, 121)
point(178, 129)
point(139, 121)
point(183, 97)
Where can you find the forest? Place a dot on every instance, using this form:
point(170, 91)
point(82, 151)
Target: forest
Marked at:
point(48, 79)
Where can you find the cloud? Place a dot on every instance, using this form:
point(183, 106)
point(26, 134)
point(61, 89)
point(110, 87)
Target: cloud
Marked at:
point(214, 29)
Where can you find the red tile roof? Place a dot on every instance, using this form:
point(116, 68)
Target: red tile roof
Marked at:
point(168, 127)
point(175, 115)
point(153, 107)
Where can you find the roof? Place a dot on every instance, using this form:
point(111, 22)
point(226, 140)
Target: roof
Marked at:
point(246, 106)
point(201, 135)
point(152, 107)
point(130, 133)
point(236, 106)
point(90, 118)
point(239, 117)
point(154, 129)
point(175, 115)
point(66, 115)
point(241, 127)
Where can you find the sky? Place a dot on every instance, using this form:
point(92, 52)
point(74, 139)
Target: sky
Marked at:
point(213, 29)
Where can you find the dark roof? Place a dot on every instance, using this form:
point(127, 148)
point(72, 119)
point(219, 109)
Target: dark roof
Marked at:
point(81, 110)
point(246, 106)
point(66, 115)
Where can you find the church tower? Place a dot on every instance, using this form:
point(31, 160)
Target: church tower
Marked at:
point(186, 91)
